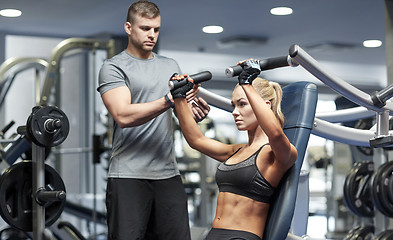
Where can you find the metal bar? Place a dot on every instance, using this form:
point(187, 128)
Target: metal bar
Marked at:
point(12, 66)
point(338, 85)
point(64, 46)
point(346, 115)
point(38, 156)
point(342, 134)
point(321, 127)
point(382, 124)
point(7, 140)
point(72, 150)
point(216, 100)
point(37, 87)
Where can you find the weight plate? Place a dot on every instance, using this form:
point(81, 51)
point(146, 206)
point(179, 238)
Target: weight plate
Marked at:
point(388, 235)
point(347, 193)
point(364, 233)
point(385, 235)
point(38, 132)
point(390, 188)
point(380, 189)
point(351, 233)
point(16, 196)
point(357, 189)
point(380, 236)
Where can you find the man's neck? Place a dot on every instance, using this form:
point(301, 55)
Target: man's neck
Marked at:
point(139, 54)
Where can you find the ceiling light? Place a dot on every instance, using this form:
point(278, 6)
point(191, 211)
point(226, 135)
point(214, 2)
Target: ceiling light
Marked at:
point(281, 11)
point(10, 13)
point(372, 43)
point(212, 29)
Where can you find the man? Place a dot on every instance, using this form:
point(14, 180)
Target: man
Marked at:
point(145, 194)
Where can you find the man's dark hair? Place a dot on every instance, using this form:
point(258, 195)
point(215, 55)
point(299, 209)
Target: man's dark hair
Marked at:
point(142, 8)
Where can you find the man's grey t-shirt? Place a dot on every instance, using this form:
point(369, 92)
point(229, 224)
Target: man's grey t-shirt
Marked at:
point(145, 151)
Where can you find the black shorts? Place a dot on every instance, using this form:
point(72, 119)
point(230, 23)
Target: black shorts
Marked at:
point(147, 209)
point(228, 234)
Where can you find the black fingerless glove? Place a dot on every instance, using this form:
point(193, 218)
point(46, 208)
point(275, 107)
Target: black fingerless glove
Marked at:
point(251, 70)
point(181, 91)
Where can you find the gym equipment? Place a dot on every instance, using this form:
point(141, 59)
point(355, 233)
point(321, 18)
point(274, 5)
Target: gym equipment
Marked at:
point(298, 105)
point(357, 189)
point(71, 229)
point(32, 193)
point(361, 233)
point(265, 64)
point(12, 233)
point(11, 149)
point(351, 233)
point(198, 78)
point(385, 235)
point(365, 124)
point(330, 130)
point(379, 137)
point(363, 189)
point(16, 196)
point(5, 129)
point(382, 189)
point(84, 212)
point(72, 43)
point(47, 126)
point(11, 67)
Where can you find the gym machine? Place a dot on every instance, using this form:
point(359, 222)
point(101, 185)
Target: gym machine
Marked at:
point(379, 138)
point(11, 67)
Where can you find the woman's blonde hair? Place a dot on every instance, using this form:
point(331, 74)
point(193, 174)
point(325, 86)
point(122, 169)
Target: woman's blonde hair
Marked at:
point(270, 91)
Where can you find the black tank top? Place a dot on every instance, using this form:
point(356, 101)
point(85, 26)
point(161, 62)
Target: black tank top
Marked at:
point(244, 179)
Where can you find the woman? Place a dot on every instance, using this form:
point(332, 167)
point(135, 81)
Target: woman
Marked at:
point(249, 173)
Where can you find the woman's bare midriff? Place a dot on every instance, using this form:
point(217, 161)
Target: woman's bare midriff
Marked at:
point(237, 212)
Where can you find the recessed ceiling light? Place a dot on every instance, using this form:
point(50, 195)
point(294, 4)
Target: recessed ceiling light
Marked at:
point(10, 13)
point(372, 43)
point(281, 11)
point(212, 29)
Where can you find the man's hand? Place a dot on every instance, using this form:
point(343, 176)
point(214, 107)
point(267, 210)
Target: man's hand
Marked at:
point(199, 108)
point(191, 95)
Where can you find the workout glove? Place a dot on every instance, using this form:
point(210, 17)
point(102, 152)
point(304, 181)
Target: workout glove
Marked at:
point(251, 70)
point(180, 92)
